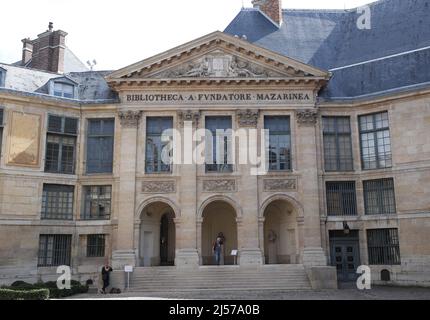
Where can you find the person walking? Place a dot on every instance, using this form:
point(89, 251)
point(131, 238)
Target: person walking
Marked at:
point(106, 270)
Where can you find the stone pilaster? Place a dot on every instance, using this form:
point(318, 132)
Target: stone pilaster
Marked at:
point(250, 251)
point(313, 253)
point(186, 228)
point(125, 252)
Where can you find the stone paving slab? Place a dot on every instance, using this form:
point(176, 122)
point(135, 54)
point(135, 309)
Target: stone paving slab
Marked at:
point(376, 293)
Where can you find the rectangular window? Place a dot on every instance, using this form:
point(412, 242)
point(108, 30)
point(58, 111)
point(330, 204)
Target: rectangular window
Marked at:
point(383, 246)
point(219, 144)
point(375, 141)
point(97, 203)
point(337, 144)
point(379, 196)
point(54, 250)
point(57, 202)
point(279, 142)
point(155, 126)
point(64, 90)
point(100, 141)
point(341, 198)
point(61, 145)
point(96, 245)
point(1, 129)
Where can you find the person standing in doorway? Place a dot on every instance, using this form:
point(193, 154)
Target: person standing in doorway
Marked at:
point(106, 270)
point(217, 247)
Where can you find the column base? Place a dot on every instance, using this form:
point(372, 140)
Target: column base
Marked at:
point(314, 256)
point(250, 257)
point(121, 258)
point(187, 258)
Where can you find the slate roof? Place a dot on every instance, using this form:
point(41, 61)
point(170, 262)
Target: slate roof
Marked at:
point(330, 39)
point(394, 55)
point(92, 86)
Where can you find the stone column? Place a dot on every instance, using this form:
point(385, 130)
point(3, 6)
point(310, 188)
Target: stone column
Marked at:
point(313, 253)
point(250, 252)
point(125, 253)
point(186, 231)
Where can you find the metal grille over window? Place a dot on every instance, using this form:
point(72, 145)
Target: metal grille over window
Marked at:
point(100, 141)
point(375, 141)
point(379, 196)
point(219, 144)
point(279, 151)
point(96, 245)
point(57, 202)
point(54, 250)
point(97, 203)
point(383, 246)
point(156, 160)
point(337, 144)
point(341, 198)
point(61, 145)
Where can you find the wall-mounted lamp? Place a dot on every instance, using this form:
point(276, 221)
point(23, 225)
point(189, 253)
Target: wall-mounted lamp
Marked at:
point(346, 228)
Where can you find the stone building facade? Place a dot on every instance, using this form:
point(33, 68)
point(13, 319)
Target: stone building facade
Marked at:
point(82, 179)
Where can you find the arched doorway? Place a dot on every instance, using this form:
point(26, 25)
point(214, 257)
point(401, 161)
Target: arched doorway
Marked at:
point(157, 235)
point(280, 233)
point(218, 216)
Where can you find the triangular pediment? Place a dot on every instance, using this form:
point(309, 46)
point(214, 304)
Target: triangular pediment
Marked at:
point(217, 56)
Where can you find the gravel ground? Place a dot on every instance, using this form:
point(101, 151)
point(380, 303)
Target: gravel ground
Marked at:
point(346, 293)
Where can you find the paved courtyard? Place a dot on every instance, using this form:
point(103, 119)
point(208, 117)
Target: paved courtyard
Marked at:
point(348, 293)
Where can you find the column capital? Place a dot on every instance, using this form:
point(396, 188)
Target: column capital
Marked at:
point(307, 117)
point(129, 118)
point(248, 117)
point(189, 115)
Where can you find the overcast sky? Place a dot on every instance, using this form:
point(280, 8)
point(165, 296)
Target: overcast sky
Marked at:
point(119, 33)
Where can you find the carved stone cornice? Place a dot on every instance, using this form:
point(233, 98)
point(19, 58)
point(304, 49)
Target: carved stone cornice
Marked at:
point(129, 118)
point(189, 115)
point(307, 117)
point(248, 118)
point(158, 186)
point(221, 185)
point(280, 185)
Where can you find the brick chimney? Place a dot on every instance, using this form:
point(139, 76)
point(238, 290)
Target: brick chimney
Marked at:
point(47, 51)
point(272, 8)
point(27, 51)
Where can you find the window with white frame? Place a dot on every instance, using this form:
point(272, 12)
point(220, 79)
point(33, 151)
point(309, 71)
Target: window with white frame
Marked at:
point(65, 90)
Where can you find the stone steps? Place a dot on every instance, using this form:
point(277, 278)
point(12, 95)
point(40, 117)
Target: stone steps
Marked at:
point(168, 279)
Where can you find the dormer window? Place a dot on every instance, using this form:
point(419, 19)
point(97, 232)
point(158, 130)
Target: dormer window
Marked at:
point(64, 90)
point(63, 87)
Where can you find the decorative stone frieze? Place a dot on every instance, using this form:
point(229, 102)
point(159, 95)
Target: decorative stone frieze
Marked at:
point(158, 186)
point(280, 184)
point(248, 118)
point(307, 117)
point(129, 118)
point(221, 185)
point(189, 115)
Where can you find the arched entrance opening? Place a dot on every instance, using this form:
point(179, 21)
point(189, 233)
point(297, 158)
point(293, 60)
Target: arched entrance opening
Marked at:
point(157, 235)
point(218, 217)
point(280, 233)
